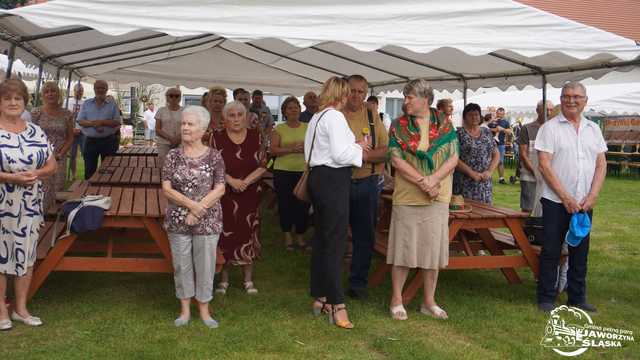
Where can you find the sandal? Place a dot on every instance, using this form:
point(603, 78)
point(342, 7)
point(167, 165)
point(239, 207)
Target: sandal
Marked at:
point(250, 288)
point(289, 247)
point(30, 320)
point(343, 324)
point(222, 287)
point(434, 311)
point(319, 310)
point(398, 312)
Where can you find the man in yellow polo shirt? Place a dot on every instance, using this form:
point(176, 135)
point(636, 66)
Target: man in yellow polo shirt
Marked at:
point(365, 184)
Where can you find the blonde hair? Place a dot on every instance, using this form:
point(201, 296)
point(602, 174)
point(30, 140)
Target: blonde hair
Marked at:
point(442, 103)
point(333, 90)
point(51, 85)
point(217, 90)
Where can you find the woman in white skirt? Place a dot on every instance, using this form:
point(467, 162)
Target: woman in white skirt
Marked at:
point(424, 151)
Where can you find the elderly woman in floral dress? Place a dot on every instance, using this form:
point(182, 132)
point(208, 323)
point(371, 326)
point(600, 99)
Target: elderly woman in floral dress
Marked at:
point(193, 181)
point(57, 123)
point(245, 164)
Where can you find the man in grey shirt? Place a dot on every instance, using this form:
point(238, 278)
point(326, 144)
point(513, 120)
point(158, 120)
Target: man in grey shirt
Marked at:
point(99, 120)
point(529, 157)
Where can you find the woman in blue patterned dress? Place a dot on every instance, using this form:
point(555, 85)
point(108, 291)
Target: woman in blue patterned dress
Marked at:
point(26, 157)
point(479, 157)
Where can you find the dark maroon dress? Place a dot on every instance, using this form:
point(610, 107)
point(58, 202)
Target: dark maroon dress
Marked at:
point(239, 240)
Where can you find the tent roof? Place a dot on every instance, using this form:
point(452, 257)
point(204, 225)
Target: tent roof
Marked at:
point(291, 46)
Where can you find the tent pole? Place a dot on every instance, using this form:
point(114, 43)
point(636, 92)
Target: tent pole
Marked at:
point(66, 103)
point(464, 91)
point(544, 96)
point(40, 69)
point(58, 75)
point(12, 55)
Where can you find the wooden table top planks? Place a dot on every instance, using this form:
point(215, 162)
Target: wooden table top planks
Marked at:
point(138, 151)
point(127, 170)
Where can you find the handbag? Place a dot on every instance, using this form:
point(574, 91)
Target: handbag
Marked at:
point(301, 190)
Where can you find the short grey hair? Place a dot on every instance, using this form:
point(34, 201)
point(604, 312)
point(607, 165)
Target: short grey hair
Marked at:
point(202, 115)
point(419, 88)
point(574, 85)
point(233, 105)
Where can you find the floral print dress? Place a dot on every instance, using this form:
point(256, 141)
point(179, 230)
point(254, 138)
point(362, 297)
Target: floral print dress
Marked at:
point(56, 128)
point(240, 240)
point(477, 154)
point(193, 178)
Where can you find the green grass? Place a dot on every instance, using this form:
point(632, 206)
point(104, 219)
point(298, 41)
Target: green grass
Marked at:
point(123, 316)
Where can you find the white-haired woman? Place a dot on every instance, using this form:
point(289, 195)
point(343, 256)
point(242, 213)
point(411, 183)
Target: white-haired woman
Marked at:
point(245, 164)
point(193, 181)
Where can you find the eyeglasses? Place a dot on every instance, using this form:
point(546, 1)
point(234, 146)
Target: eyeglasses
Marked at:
point(175, 96)
point(572, 97)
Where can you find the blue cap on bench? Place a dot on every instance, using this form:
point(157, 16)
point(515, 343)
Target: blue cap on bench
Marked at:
point(579, 228)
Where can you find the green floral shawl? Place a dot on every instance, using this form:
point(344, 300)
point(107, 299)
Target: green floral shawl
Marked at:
point(404, 140)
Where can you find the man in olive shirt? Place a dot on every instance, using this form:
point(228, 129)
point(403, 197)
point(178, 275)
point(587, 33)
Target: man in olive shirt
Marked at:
point(365, 184)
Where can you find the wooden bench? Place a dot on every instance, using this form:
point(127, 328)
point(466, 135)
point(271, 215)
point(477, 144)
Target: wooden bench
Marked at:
point(479, 222)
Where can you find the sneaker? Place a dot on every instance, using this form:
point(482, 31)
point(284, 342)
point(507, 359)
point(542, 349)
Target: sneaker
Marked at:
point(584, 306)
point(222, 288)
point(501, 181)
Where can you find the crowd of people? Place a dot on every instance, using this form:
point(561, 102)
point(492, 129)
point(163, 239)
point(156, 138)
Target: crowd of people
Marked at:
point(213, 157)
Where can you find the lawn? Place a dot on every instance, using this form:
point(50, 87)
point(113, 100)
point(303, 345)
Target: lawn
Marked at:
point(122, 316)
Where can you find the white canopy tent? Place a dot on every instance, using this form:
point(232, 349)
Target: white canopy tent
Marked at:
point(286, 46)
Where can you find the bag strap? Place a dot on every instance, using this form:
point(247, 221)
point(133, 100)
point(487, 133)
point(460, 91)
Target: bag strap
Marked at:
point(313, 140)
point(372, 130)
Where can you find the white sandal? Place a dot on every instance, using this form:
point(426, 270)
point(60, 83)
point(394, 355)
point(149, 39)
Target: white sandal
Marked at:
point(398, 312)
point(250, 288)
point(434, 311)
point(31, 320)
point(222, 288)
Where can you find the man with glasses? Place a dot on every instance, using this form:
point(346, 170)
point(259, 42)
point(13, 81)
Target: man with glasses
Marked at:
point(168, 119)
point(571, 155)
point(100, 120)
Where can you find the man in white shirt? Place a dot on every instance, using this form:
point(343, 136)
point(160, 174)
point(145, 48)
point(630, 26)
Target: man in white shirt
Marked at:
point(149, 119)
point(75, 103)
point(571, 153)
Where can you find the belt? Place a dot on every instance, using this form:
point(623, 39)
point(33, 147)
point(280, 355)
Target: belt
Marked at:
point(368, 178)
point(101, 138)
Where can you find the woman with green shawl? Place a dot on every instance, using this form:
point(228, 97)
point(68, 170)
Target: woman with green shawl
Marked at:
point(423, 148)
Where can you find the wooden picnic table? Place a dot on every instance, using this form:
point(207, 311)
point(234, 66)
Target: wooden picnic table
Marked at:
point(469, 233)
point(138, 151)
point(131, 227)
point(127, 170)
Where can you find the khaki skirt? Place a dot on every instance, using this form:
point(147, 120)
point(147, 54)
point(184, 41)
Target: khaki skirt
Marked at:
point(419, 236)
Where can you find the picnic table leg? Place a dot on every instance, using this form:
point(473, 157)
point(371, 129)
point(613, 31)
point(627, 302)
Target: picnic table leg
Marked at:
point(159, 236)
point(515, 225)
point(42, 271)
point(492, 246)
point(377, 276)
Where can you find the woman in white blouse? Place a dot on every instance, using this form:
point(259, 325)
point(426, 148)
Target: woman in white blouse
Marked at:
point(330, 149)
